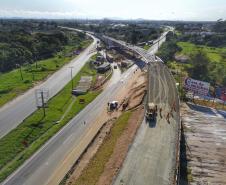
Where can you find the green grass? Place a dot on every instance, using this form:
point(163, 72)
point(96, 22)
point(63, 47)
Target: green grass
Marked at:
point(11, 84)
point(146, 47)
point(214, 54)
point(95, 168)
point(36, 129)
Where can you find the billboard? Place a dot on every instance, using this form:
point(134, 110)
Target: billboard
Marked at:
point(196, 86)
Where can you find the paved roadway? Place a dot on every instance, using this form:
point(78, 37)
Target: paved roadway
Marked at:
point(39, 168)
point(151, 159)
point(148, 55)
point(14, 112)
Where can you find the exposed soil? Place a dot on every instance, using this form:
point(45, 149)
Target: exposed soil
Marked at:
point(133, 92)
point(122, 146)
point(92, 149)
point(205, 140)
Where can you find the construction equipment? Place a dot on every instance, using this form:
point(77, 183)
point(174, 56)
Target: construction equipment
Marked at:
point(151, 112)
point(113, 105)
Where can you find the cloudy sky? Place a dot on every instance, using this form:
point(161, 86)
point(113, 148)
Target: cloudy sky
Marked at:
point(127, 9)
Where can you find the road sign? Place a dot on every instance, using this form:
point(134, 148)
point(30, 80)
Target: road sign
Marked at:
point(42, 96)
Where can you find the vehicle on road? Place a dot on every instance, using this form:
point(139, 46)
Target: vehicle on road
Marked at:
point(151, 112)
point(113, 105)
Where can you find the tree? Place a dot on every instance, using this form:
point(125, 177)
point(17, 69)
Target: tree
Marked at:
point(168, 50)
point(199, 69)
point(134, 37)
point(224, 81)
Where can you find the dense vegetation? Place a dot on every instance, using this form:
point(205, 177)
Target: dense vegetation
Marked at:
point(204, 63)
point(169, 48)
point(130, 32)
point(25, 45)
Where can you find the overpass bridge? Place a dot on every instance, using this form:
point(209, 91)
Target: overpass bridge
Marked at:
point(153, 157)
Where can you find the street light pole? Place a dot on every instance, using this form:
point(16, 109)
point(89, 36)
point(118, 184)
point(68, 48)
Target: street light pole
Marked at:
point(43, 103)
point(71, 77)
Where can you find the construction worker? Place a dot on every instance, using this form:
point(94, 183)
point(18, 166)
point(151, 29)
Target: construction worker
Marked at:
point(167, 117)
point(174, 106)
point(160, 112)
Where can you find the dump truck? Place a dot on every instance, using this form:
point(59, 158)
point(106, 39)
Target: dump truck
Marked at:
point(151, 112)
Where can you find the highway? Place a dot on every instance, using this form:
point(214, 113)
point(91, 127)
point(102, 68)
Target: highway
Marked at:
point(147, 55)
point(39, 168)
point(151, 159)
point(14, 112)
point(47, 161)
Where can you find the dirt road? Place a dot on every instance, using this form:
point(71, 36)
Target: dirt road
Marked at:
point(152, 157)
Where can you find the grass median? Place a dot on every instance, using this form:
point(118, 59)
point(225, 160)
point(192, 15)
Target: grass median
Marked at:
point(11, 84)
point(33, 132)
point(95, 168)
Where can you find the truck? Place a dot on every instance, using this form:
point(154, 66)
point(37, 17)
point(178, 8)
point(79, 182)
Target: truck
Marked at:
point(151, 112)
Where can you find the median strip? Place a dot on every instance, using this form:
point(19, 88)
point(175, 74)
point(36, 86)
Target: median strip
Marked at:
point(33, 132)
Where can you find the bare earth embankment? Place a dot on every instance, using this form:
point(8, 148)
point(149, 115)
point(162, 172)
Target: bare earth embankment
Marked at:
point(205, 136)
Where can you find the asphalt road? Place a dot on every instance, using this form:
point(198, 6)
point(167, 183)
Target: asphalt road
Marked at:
point(151, 159)
point(14, 112)
point(39, 168)
point(148, 55)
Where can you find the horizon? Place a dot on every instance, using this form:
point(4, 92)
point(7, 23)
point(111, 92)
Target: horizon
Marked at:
point(174, 10)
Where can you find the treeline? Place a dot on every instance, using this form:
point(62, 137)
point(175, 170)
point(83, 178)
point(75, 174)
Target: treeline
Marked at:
point(129, 32)
point(169, 48)
point(20, 47)
point(215, 40)
point(199, 65)
point(202, 68)
point(215, 37)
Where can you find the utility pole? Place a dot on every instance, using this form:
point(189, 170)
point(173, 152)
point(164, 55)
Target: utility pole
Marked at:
point(21, 75)
point(43, 103)
point(36, 63)
point(71, 77)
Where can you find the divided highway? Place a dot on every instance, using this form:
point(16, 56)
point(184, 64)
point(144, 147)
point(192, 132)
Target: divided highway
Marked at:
point(14, 112)
point(46, 161)
point(152, 141)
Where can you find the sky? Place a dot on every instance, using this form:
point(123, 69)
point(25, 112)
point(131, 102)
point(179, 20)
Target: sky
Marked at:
point(193, 10)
